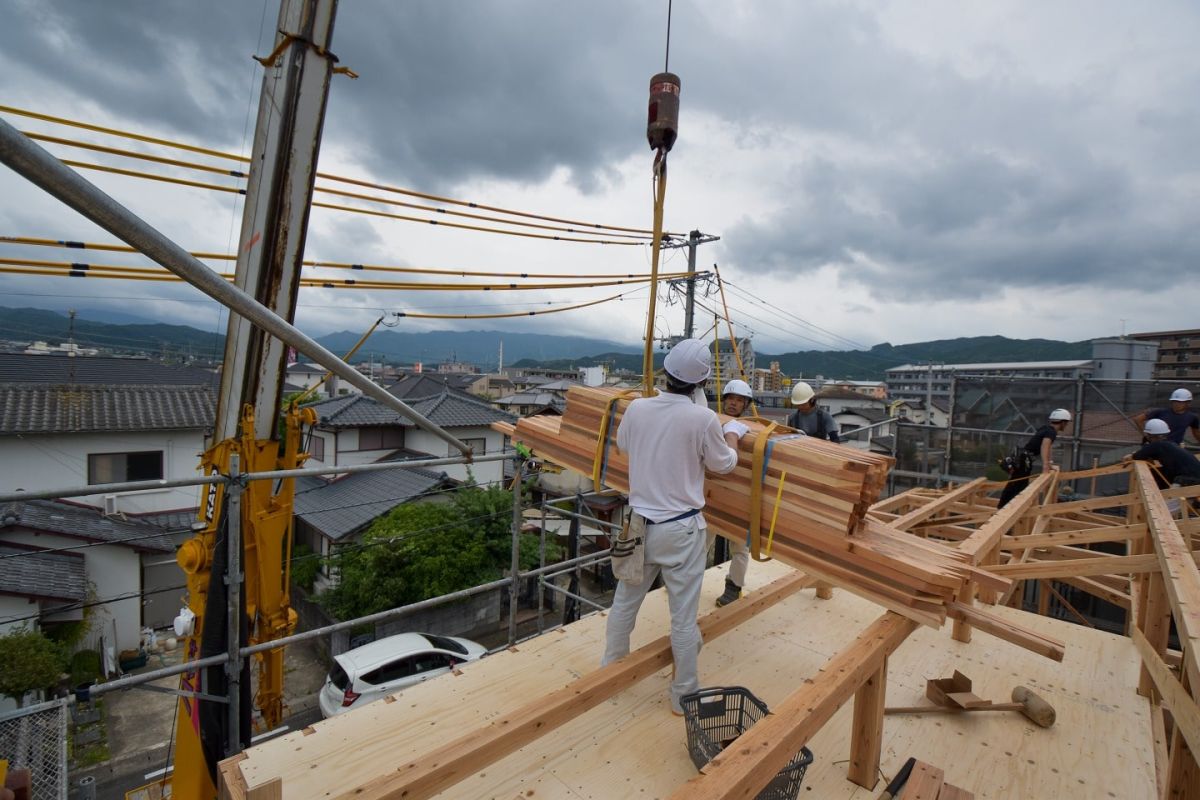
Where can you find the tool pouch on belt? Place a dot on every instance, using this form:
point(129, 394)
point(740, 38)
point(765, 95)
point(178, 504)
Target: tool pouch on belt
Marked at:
point(629, 550)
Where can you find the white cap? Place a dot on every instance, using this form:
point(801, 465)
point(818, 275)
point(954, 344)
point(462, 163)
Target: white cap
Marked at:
point(689, 361)
point(801, 393)
point(1181, 396)
point(1060, 415)
point(1156, 427)
point(740, 388)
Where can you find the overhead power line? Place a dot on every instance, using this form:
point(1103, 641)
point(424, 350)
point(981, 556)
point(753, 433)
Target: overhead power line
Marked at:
point(328, 176)
point(464, 273)
point(153, 273)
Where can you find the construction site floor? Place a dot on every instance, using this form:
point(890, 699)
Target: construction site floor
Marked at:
point(632, 746)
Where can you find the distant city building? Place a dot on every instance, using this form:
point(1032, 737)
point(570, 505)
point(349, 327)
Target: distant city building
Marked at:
point(62, 348)
point(920, 381)
point(768, 380)
point(1124, 359)
point(1178, 353)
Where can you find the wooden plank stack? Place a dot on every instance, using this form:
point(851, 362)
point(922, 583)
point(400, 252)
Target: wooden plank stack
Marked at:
point(821, 525)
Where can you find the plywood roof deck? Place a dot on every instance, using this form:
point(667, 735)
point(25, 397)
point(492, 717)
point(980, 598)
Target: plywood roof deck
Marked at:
point(632, 746)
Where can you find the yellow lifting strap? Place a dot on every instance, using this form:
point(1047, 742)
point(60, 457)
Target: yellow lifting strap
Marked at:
point(600, 457)
point(660, 174)
point(756, 488)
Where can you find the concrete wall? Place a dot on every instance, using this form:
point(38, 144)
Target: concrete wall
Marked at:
point(15, 607)
point(114, 570)
point(485, 473)
point(61, 461)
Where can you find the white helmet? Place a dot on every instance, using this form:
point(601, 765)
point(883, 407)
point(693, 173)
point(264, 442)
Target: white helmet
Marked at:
point(1060, 415)
point(740, 388)
point(1181, 396)
point(801, 393)
point(689, 361)
point(1156, 427)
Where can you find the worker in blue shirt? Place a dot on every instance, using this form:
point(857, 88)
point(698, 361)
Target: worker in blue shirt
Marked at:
point(1178, 416)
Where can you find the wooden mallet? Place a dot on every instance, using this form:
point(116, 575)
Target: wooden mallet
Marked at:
point(1033, 707)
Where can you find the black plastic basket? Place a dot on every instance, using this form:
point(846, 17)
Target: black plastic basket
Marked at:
point(715, 717)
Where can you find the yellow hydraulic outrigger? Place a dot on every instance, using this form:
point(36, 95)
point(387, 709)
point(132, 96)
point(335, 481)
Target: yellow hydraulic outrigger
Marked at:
point(265, 517)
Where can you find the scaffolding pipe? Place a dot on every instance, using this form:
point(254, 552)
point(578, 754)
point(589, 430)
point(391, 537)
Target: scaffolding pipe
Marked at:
point(37, 166)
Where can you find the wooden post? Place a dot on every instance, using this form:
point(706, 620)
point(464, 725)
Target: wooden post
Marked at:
point(867, 729)
point(824, 591)
point(1156, 625)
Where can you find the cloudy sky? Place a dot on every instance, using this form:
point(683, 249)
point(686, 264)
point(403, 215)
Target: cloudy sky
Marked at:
point(897, 171)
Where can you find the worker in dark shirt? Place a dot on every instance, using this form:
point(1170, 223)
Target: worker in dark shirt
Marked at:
point(1179, 416)
point(1176, 465)
point(1038, 446)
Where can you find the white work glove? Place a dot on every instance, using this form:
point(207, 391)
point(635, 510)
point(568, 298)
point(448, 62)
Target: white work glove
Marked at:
point(738, 429)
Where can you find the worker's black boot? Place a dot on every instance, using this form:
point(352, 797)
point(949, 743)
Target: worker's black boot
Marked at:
point(732, 592)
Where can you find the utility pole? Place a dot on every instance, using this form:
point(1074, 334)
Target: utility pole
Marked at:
point(689, 312)
point(694, 239)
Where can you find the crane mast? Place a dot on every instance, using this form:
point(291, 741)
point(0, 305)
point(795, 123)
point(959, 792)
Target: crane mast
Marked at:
point(237, 564)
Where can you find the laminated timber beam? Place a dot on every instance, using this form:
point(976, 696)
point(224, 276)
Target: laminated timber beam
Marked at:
point(443, 767)
point(1116, 533)
point(763, 750)
point(1180, 574)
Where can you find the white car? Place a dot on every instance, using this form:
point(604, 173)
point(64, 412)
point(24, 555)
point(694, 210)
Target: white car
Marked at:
point(383, 667)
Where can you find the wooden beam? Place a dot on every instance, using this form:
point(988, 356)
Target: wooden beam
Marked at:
point(1154, 628)
point(867, 729)
point(937, 506)
point(1101, 565)
point(988, 536)
point(1098, 589)
point(1117, 501)
point(925, 783)
point(1008, 631)
point(1117, 533)
point(1180, 574)
point(743, 771)
point(443, 767)
point(1177, 700)
point(1162, 754)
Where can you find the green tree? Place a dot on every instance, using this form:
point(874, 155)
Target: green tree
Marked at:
point(28, 661)
point(427, 549)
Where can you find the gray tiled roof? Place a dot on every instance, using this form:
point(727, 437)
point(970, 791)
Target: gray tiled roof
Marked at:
point(106, 370)
point(83, 522)
point(424, 384)
point(448, 409)
point(54, 408)
point(344, 507)
point(32, 572)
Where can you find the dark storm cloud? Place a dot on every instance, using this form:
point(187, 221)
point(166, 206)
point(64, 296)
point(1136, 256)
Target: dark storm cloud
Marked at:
point(180, 64)
point(512, 90)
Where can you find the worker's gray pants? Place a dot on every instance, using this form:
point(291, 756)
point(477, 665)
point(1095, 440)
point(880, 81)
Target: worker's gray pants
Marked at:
point(677, 550)
point(739, 559)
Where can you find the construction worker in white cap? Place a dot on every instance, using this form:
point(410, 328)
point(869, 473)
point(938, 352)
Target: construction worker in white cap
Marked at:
point(1176, 466)
point(735, 399)
point(1178, 416)
point(807, 417)
point(670, 442)
point(1038, 446)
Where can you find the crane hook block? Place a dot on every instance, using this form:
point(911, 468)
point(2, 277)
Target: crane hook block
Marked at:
point(662, 123)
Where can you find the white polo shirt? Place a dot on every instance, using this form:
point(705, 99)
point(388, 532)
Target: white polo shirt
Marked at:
point(670, 441)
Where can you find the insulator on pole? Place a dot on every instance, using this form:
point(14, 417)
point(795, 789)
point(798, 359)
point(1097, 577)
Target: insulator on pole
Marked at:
point(662, 123)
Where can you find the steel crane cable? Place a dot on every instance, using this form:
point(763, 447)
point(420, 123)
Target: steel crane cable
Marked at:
point(342, 179)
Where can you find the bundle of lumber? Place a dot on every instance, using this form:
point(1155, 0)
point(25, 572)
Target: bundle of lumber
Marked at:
point(812, 502)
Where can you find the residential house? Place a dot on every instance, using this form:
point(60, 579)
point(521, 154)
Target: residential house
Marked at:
point(69, 422)
point(330, 513)
point(359, 430)
point(114, 554)
point(917, 412)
